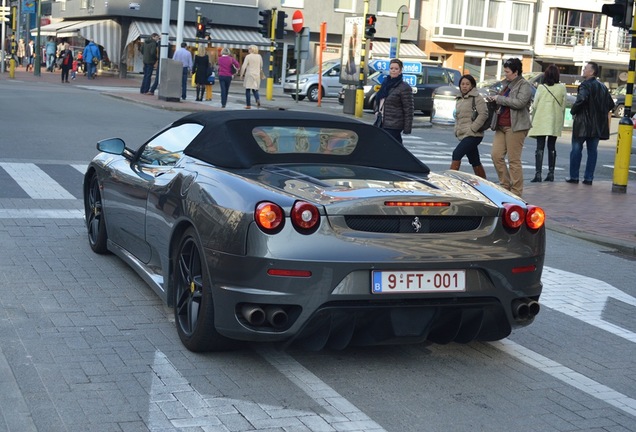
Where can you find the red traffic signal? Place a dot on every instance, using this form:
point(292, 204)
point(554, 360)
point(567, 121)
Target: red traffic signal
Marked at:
point(369, 26)
point(202, 26)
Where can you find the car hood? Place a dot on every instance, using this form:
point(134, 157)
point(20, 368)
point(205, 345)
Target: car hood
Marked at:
point(355, 189)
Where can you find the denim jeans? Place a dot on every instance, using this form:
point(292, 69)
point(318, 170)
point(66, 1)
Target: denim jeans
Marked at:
point(184, 82)
point(468, 147)
point(577, 153)
point(145, 82)
point(248, 99)
point(224, 82)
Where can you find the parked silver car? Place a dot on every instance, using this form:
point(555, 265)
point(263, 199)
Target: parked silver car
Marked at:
point(308, 83)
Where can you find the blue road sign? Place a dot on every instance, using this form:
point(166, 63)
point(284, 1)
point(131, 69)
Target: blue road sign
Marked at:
point(410, 79)
point(409, 67)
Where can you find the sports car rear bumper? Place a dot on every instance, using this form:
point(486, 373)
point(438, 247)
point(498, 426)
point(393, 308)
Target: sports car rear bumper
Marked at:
point(335, 306)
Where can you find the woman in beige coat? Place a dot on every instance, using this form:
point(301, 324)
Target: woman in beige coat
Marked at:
point(467, 125)
point(548, 110)
point(251, 74)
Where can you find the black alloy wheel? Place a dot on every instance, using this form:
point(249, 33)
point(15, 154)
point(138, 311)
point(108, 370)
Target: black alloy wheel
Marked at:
point(95, 222)
point(193, 306)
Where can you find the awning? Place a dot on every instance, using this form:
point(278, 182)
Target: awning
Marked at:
point(227, 37)
point(52, 29)
point(106, 33)
point(408, 50)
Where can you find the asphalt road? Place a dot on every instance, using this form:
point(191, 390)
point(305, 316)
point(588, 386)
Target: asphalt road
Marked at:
point(85, 345)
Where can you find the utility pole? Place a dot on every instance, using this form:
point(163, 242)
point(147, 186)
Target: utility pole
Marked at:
point(38, 50)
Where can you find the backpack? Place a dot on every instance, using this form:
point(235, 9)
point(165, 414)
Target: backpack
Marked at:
point(492, 107)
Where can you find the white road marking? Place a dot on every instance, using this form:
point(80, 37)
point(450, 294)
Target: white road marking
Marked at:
point(172, 396)
point(568, 376)
point(35, 182)
point(583, 298)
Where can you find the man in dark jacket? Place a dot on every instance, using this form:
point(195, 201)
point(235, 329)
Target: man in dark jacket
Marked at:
point(149, 51)
point(591, 123)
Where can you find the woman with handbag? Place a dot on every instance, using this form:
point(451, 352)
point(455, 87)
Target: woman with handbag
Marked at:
point(394, 103)
point(251, 71)
point(548, 110)
point(227, 68)
point(513, 124)
point(470, 114)
point(200, 71)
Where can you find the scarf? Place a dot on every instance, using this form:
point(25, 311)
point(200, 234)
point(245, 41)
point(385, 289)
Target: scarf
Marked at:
point(387, 85)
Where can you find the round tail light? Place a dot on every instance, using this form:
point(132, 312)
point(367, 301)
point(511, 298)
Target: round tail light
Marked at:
point(305, 217)
point(269, 217)
point(514, 216)
point(535, 217)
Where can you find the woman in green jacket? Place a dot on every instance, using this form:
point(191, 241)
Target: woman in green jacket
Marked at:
point(548, 110)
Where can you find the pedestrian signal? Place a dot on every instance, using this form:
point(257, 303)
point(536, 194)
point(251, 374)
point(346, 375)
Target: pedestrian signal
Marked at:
point(369, 26)
point(280, 25)
point(265, 23)
point(621, 12)
point(201, 28)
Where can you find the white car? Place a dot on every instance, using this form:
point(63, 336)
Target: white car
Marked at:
point(308, 83)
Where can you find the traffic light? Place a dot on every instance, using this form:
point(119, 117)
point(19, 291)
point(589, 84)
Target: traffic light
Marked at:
point(266, 23)
point(201, 27)
point(369, 26)
point(280, 25)
point(622, 12)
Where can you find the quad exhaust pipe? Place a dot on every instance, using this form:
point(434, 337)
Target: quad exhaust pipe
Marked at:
point(258, 315)
point(525, 309)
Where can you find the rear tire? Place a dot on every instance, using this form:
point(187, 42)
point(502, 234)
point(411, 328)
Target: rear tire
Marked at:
point(193, 303)
point(94, 215)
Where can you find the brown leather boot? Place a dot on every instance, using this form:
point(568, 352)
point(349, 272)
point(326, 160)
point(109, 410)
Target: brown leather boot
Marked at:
point(455, 164)
point(479, 170)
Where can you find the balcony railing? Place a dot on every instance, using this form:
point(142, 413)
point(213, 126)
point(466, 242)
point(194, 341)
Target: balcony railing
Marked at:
point(562, 35)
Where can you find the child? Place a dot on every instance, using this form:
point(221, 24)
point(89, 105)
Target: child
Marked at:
point(74, 69)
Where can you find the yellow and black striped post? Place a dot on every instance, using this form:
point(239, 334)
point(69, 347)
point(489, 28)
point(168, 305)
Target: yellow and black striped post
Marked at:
point(625, 125)
point(269, 91)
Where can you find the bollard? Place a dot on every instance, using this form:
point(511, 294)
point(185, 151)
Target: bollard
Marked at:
point(208, 92)
point(623, 151)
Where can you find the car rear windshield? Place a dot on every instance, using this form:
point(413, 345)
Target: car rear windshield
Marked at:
point(284, 139)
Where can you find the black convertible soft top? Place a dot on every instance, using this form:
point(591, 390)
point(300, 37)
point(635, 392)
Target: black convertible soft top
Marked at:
point(227, 140)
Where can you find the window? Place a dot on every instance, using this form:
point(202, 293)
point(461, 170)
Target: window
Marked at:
point(390, 6)
point(284, 139)
point(520, 17)
point(496, 15)
point(475, 15)
point(454, 12)
point(437, 76)
point(293, 3)
point(167, 148)
point(345, 5)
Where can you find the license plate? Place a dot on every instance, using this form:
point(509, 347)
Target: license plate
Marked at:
point(435, 281)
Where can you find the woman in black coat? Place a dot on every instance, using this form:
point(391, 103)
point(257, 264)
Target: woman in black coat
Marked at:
point(394, 102)
point(200, 69)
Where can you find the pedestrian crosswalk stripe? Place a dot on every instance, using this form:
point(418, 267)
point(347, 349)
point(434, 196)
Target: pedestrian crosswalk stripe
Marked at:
point(80, 168)
point(35, 182)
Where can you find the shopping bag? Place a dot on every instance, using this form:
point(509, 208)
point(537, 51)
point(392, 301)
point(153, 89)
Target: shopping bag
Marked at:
point(194, 80)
